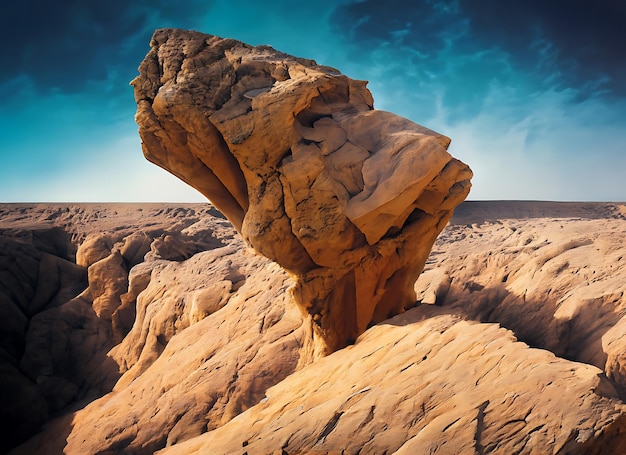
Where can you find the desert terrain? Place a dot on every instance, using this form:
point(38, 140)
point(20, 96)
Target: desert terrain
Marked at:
point(336, 297)
point(136, 328)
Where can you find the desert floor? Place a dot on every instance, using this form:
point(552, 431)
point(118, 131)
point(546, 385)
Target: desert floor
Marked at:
point(133, 328)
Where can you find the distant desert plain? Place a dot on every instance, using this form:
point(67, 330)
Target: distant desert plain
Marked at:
point(136, 328)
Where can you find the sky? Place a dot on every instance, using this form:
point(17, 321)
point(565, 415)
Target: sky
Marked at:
point(532, 92)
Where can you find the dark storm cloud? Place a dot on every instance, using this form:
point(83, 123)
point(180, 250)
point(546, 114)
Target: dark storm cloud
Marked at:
point(425, 25)
point(67, 44)
point(576, 44)
point(581, 39)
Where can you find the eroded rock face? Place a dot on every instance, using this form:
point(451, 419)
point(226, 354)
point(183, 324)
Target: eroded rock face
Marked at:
point(557, 283)
point(217, 359)
point(61, 318)
point(392, 393)
point(211, 334)
point(348, 199)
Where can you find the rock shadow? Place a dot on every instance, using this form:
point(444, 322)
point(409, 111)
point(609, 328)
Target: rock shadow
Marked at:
point(577, 337)
point(52, 346)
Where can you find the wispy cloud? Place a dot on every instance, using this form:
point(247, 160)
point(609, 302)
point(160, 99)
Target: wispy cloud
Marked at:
point(532, 93)
point(532, 97)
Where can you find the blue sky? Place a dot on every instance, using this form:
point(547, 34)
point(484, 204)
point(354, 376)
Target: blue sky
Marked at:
point(532, 92)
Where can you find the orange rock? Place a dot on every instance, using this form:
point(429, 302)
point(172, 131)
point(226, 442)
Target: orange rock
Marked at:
point(219, 360)
point(553, 273)
point(429, 382)
point(347, 198)
point(108, 280)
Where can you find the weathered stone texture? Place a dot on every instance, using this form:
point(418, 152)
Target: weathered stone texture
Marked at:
point(347, 198)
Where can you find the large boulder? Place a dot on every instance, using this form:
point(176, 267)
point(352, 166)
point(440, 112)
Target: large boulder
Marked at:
point(347, 198)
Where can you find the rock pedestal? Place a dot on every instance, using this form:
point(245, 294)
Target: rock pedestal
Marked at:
point(346, 198)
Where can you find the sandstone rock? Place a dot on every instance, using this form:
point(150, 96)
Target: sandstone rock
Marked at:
point(53, 345)
point(44, 237)
point(65, 353)
point(134, 247)
point(432, 286)
point(348, 199)
point(58, 281)
point(108, 280)
point(95, 247)
point(123, 317)
point(19, 273)
point(32, 279)
point(392, 393)
point(556, 283)
point(173, 247)
point(183, 375)
point(614, 346)
point(214, 332)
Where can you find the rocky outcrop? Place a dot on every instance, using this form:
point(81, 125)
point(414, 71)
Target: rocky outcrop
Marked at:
point(61, 318)
point(29, 280)
point(391, 393)
point(347, 198)
point(211, 335)
point(556, 283)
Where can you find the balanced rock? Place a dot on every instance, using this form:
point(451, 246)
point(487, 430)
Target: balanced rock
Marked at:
point(346, 198)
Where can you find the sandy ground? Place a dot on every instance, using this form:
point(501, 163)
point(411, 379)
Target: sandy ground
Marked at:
point(85, 218)
point(477, 212)
point(95, 216)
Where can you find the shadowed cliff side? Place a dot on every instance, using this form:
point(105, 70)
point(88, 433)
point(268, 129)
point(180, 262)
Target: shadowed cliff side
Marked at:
point(67, 296)
point(553, 273)
point(347, 198)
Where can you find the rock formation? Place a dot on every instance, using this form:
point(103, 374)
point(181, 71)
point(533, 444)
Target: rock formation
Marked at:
point(32, 277)
point(496, 403)
point(347, 198)
point(145, 328)
point(218, 356)
point(65, 299)
point(555, 279)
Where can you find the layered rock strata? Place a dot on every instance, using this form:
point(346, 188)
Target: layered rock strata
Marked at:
point(347, 198)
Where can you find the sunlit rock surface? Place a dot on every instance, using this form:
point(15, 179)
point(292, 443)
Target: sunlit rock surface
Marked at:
point(393, 392)
point(347, 198)
point(144, 328)
point(216, 355)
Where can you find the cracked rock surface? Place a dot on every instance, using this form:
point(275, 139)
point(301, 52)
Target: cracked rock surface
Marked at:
point(346, 198)
point(391, 393)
